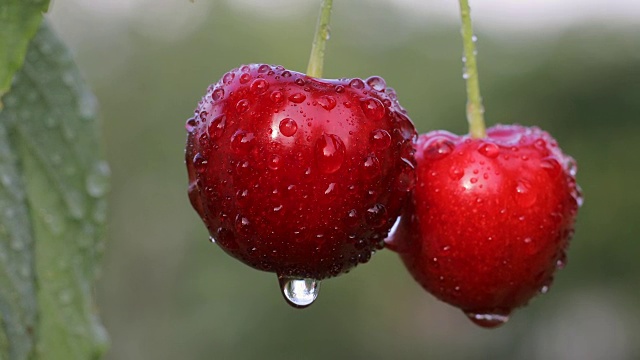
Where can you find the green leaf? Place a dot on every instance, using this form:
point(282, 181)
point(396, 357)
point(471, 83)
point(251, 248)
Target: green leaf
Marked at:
point(55, 187)
point(19, 20)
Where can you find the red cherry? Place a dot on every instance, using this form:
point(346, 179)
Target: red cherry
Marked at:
point(490, 219)
point(296, 175)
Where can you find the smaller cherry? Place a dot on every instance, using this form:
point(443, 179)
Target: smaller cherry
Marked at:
point(492, 212)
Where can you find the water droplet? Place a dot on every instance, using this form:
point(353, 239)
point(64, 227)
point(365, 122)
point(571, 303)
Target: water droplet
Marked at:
point(544, 289)
point(200, 163)
point(380, 139)
point(489, 150)
point(327, 102)
point(242, 142)
point(243, 226)
point(299, 293)
point(561, 263)
point(465, 75)
point(524, 196)
point(264, 68)
point(286, 74)
point(244, 78)
point(571, 166)
point(297, 98)
point(274, 162)
point(377, 215)
point(371, 166)
point(438, 148)
point(259, 86)
point(217, 94)
point(330, 189)
point(339, 89)
point(377, 83)
point(97, 182)
point(276, 96)
point(552, 166)
point(352, 217)
point(356, 84)
point(288, 127)
point(228, 77)
point(212, 240)
point(456, 173)
point(242, 106)
point(488, 320)
point(190, 125)
point(330, 152)
point(217, 126)
point(406, 179)
point(372, 108)
point(300, 82)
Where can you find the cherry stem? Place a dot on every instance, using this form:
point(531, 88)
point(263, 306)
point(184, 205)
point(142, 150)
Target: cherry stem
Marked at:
point(316, 61)
point(475, 110)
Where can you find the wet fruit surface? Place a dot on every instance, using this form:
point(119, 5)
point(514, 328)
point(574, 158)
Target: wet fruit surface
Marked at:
point(299, 176)
point(490, 219)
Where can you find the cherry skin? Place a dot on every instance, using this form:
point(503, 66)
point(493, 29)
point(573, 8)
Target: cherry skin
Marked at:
point(490, 219)
point(299, 176)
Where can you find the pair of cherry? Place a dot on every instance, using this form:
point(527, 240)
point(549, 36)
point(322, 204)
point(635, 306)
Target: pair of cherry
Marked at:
point(305, 177)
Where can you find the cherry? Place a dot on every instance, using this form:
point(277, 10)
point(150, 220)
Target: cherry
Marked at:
point(490, 218)
point(297, 175)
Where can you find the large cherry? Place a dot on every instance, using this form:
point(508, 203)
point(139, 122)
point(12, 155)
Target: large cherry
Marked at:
point(490, 218)
point(296, 175)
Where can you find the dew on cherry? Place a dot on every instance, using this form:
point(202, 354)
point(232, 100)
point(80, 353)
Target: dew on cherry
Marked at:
point(200, 163)
point(274, 162)
point(377, 83)
point(276, 96)
point(242, 106)
point(327, 102)
point(524, 196)
point(299, 293)
point(330, 189)
point(571, 166)
point(217, 126)
point(380, 139)
point(406, 180)
point(356, 84)
point(339, 89)
point(297, 98)
point(456, 173)
point(191, 124)
point(330, 152)
point(377, 215)
point(244, 78)
point(217, 94)
point(300, 82)
point(264, 68)
point(228, 78)
point(242, 224)
point(372, 108)
point(371, 166)
point(259, 86)
point(489, 150)
point(242, 141)
point(488, 320)
point(438, 148)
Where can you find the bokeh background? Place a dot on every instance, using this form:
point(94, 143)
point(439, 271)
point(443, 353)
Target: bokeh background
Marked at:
point(571, 67)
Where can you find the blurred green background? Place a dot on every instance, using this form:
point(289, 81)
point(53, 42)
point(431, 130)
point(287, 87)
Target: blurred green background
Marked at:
point(167, 293)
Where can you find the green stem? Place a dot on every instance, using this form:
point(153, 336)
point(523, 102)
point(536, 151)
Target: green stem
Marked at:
point(316, 60)
point(475, 110)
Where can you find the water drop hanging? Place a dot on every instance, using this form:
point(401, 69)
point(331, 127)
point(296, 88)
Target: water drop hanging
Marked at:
point(299, 293)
